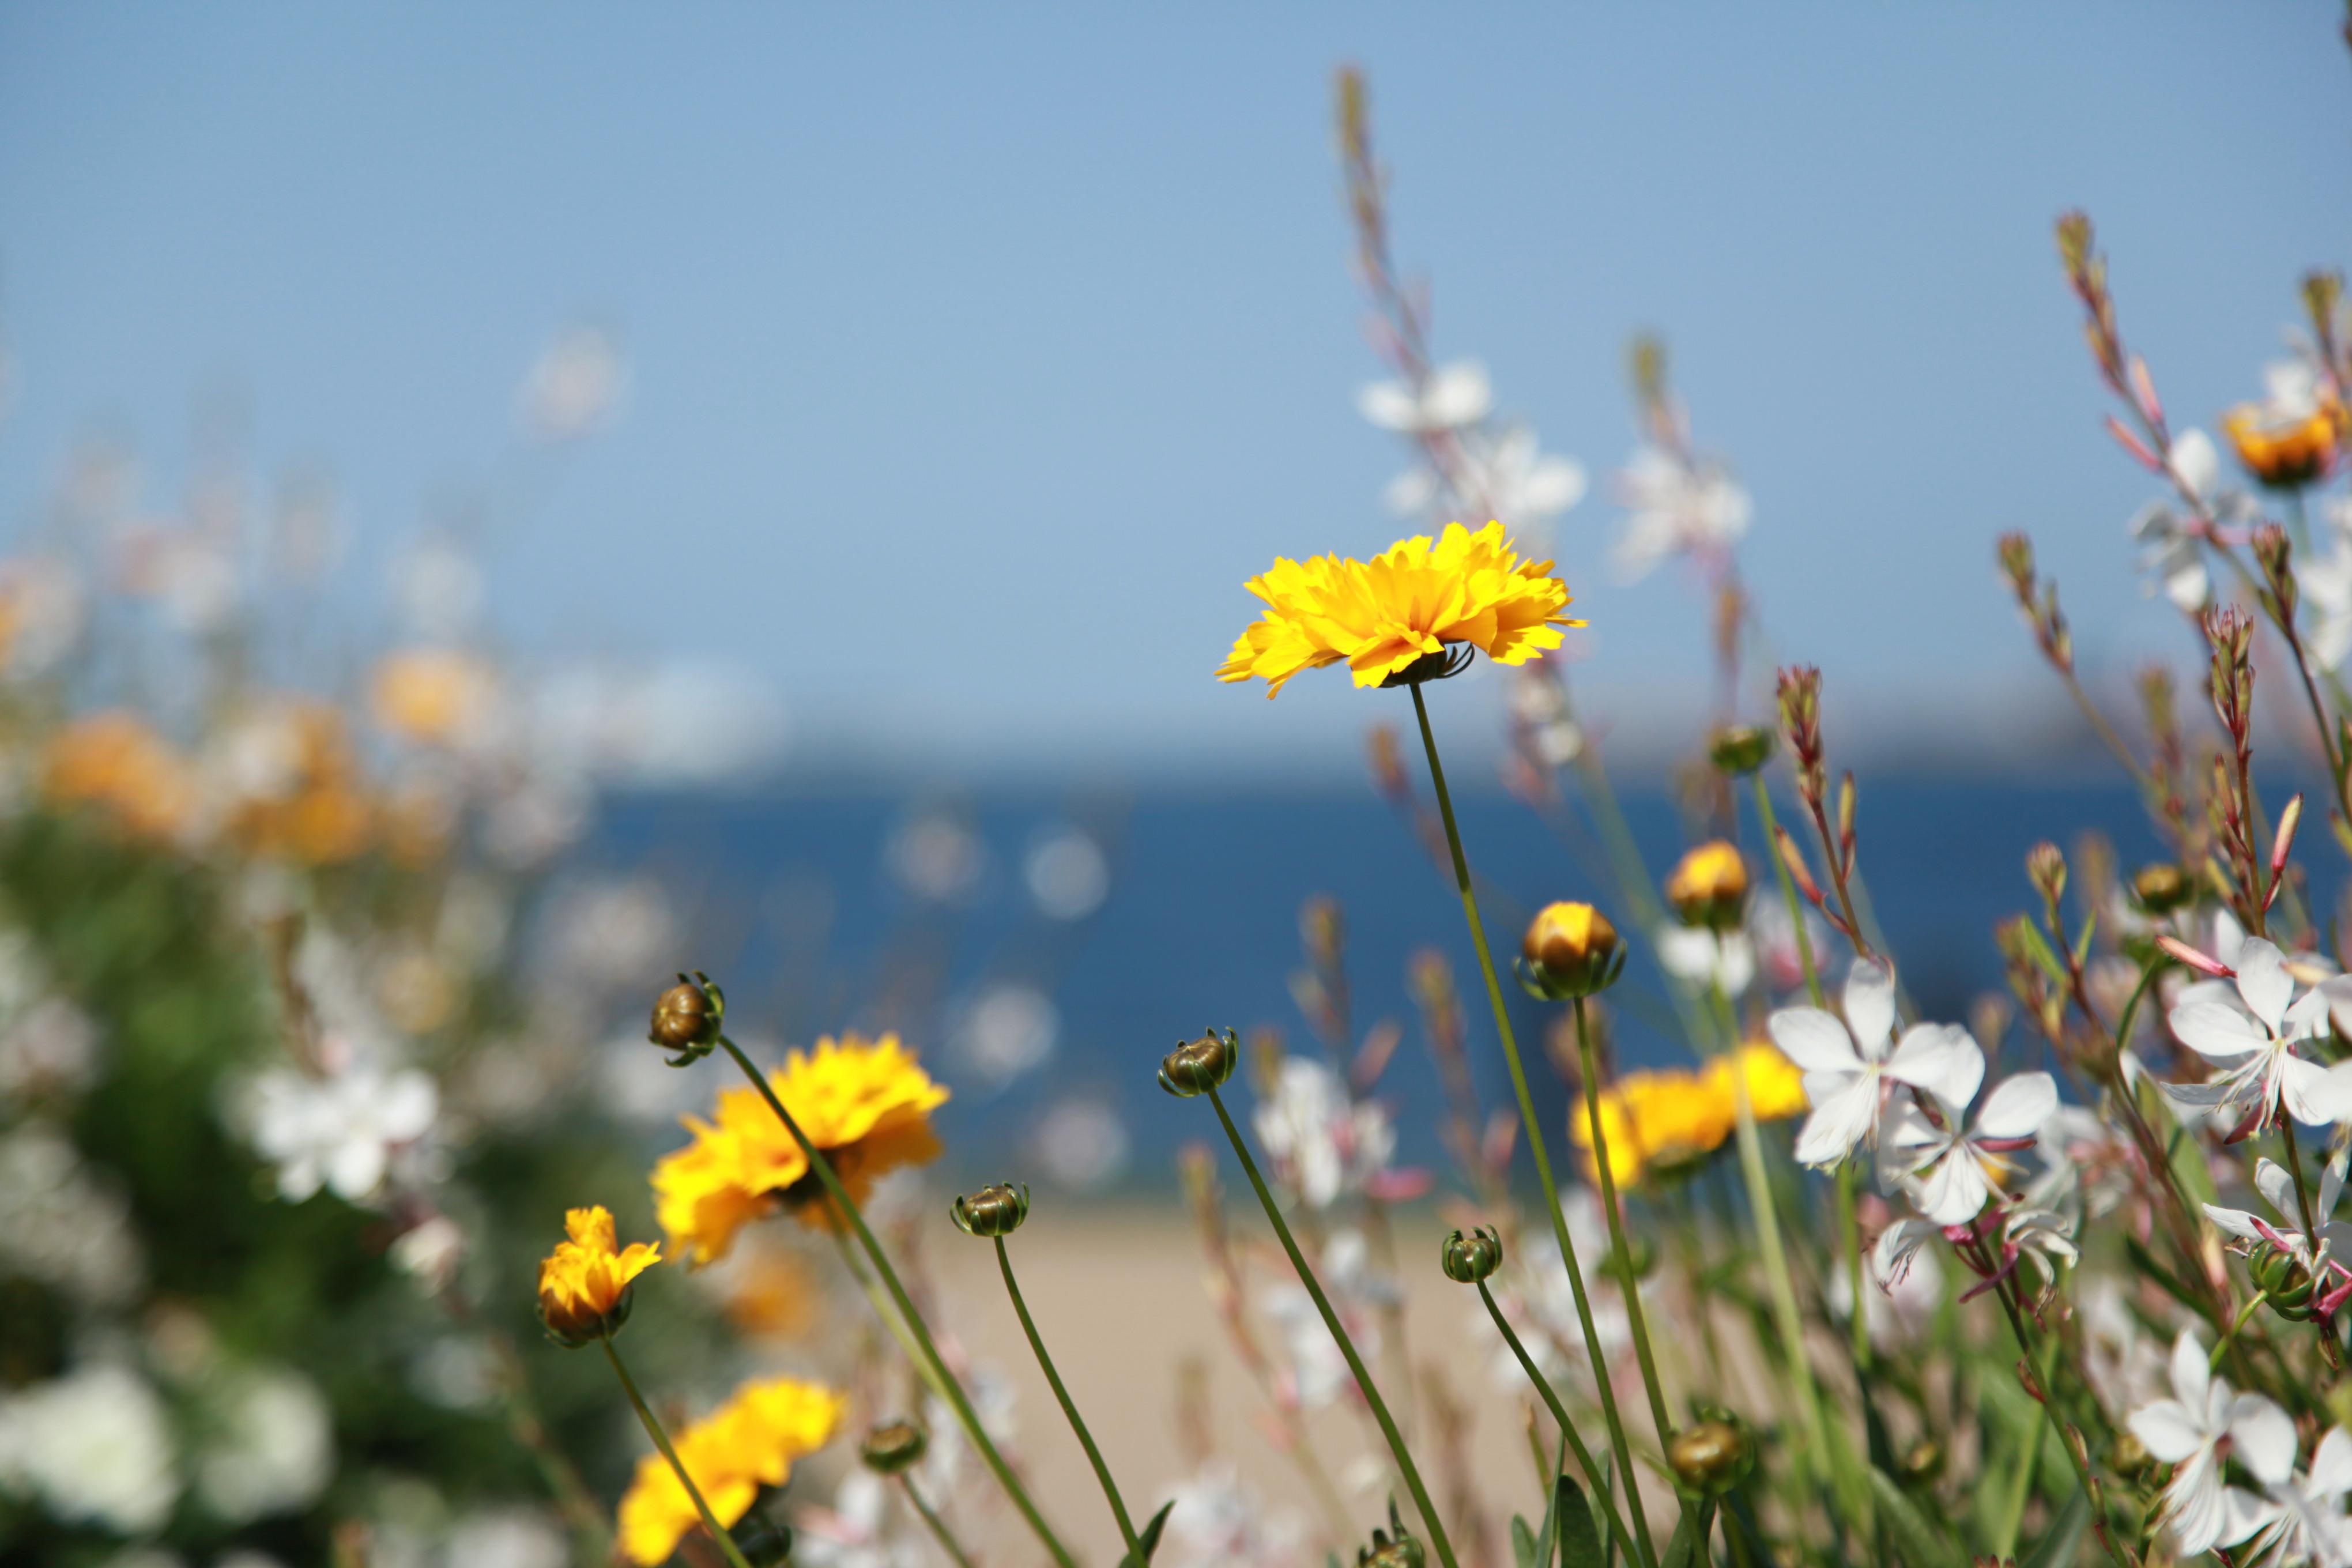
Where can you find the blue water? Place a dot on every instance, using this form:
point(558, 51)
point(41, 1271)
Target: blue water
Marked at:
point(794, 907)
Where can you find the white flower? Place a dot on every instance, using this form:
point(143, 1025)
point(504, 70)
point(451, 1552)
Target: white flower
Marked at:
point(1850, 1069)
point(2173, 554)
point(1323, 1143)
point(1950, 1170)
point(854, 1532)
point(1508, 477)
point(61, 1223)
point(270, 1444)
point(1907, 1287)
point(2186, 1432)
point(1700, 956)
point(1220, 1521)
point(1451, 397)
point(505, 1538)
point(2311, 1526)
point(341, 1131)
point(2254, 1044)
point(2041, 1237)
point(1534, 1294)
point(94, 1447)
point(1067, 874)
point(1317, 1371)
point(1677, 507)
point(2196, 462)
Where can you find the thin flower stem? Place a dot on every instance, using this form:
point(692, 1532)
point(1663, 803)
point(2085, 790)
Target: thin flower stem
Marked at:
point(2221, 1345)
point(1850, 1243)
point(1537, 1147)
point(1591, 1467)
point(726, 1542)
point(2327, 1349)
point(1770, 825)
point(1429, 1517)
point(1630, 1286)
point(939, 1526)
point(940, 1378)
point(2069, 1439)
point(1069, 1406)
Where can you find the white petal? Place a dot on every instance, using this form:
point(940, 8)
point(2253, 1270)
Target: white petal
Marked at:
point(1388, 406)
point(2243, 1514)
point(2263, 1437)
point(2235, 1222)
point(1870, 1006)
point(2018, 1107)
point(2196, 460)
point(2339, 992)
point(2213, 1031)
point(2312, 1094)
point(2192, 1376)
point(1813, 1039)
point(2167, 1431)
point(2229, 938)
point(2272, 1181)
point(1457, 394)
point(1942, 1058)
point(1736, 963)
point(1954, 1189)
point(2331, 1465)
point(1687, 953)
point(1839, 1123)
point(2263, 982)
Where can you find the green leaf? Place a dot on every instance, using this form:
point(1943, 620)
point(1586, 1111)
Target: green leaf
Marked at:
point(1915, 1538)
point(1523, 1542)
point(2083, 943)
point(1579, 1537)
point(1150, 1537)
point(1688, 1547)
point(2037, 947)
point(2059, 1543)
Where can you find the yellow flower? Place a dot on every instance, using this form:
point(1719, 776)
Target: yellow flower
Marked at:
point(746, 1444)
point(432, 695)
point(1665, 1122)
point(1776, 1087)
point(1383, 615)
point(1709, 885)
point(583, 1285)
point(867, 1104)
point(114, 761)
point(2284, 452)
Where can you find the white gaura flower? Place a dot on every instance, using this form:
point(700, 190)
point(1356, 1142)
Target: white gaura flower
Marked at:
point(2040, 1236)
point(1508, 477)
point(340, 1131)
point(1699, 956)
point(269, 1444)
point(1678, 506)
point(1904, 1292)
point(2173, 556)
point(2252, 1039)
point(1451, 397)
point(1850, 1067)
point(1317, 1370)
point(94, 1446)
point(2311, 1526)
point(854, 1532)
point(1949, 1169)
point(2189, 1431)
point(1323, 1143)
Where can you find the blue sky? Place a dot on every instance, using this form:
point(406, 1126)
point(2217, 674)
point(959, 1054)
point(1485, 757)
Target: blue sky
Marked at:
point(980, 353)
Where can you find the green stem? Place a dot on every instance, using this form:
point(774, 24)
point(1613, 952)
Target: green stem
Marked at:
point(1630, 1287)
point(1772, 828)
point(1591, 1467)
point(1069, 1406)
point(661, 1440)
point(1537, 1147)
point(940, 1378)
point(939, 1526)
point(1849, 1241)
point(2012, 1511)
point(1436, 1526)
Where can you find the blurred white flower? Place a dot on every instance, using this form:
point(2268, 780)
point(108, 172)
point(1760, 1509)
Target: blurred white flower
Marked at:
point(1678, 508)
point(1067, 874)
point(1901, 1300)
point(190, 575)
point(1539, 707)
point(1534, 1294)
point(49, 1047)
point(577, 387)
point(506, 1538)
point(438, 590)
point(2196, 462)
point(61, 1225)
point(93, 1447)
point(1699, 956)
point(430, 1252)
point(340, 1130)
point(1009, 1029)
point(1218, 1521)
point(1452, 396)
point(935, 857)
point(1081, 1143)
point(1323, 1143)
point(854, 1530)
point(1509, 479)
point(269, 1443)
point(1314, 1367)
point(660, 724)
point(2171, 553)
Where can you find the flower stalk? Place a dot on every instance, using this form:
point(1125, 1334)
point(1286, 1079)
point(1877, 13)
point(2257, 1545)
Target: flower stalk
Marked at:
point(1594, 1476)
point(1069, 1405)
point(653, 1426)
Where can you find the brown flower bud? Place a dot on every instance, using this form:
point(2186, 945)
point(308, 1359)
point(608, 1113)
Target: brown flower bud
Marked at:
point(893, 1448)
point(1196, 1066)
point(1570, 950)
point(1711, 1457)
point(686, 1018)
point(2162, 888)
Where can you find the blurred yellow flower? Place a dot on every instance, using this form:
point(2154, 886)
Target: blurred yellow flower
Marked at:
point(1662, 1122)
point(746, 1444)
point(114, 761)
point(1383, 615)
point(771, 1294)
point(430, 695)
point(867, 1104)
point(2284, 452)
point(1708, 886)
point(1776, 1085)
point(295, 782)
point(583, 1284)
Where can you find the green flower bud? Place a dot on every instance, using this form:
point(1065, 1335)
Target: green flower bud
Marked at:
point(1196, 1066)
point(2162, 888)
point(894, 1448)
point(1392, 1548)
point(688, 1019)
point(2288, 1285)
point(1740, 750)
point(991, 1211)
point(1467, 1259)
point(1712, 1457)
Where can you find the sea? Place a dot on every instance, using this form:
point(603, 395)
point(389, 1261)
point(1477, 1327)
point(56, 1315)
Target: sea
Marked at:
point(1042, 949)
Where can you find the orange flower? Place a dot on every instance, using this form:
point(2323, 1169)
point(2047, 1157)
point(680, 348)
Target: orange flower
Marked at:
point(583, 1285)
point(434, 697)
point(746, 1444)
point(114, 761)
point(2285, 451)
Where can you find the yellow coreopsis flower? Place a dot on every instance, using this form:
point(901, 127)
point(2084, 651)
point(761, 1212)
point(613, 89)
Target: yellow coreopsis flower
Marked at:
point(1664, 1122)
point(583, 1285)
point(1383, 614)
point(1776, 1085)
point(867, 1104)
point(746, 1444)
point(2286, 450)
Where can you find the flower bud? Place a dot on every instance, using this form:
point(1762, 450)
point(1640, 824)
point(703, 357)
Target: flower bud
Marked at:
point(2162, 888)
point(2129, 1457)
point(992, 1211)
point(688, 1019)
point(1923, 1461)
point(1710, 886)
point(1196, 1066)
point(1392, 1548)
point(1467, 1259)
point(1711, 1457)
point(764, 1542)
point(1739, 749)
point(1570, 950)
point(894, 1448)
point(2288, 1285)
